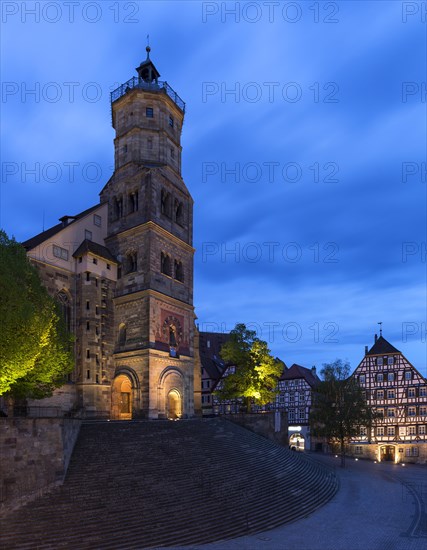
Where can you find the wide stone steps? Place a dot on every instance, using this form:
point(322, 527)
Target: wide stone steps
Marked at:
point(133, 485)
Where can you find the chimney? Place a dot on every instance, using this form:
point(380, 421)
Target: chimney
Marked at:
point(376, 337)
point(366, 350)
point(313, 370)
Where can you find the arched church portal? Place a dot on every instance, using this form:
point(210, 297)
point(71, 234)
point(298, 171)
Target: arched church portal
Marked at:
point(121, 398)
point(174, 405)
point(171, 394)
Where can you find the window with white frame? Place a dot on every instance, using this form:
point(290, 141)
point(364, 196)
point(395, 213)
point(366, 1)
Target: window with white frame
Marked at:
point(421, 430)
point(391, 430)
point(412, 430)
point(390, 377)
point(97, 220)
point(390, 360)
point(379, 361)
point(412, 411)
point(60, 252)
point(302, 414)
point(411, 392)
point(380, 412)
point(363, 431)
point(422, 392)
point(391, 394)
point(411, 451)
point(380, 377)
point(423, 411)
point(358, 450)
point(380, 431)
point(380, 394)
point(408, 375)
point(402, 431)
point(391, 413)
point(88, 234)
point(362, 379)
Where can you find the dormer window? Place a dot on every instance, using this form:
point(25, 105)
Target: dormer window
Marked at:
point(149, 113)
point(171, 122)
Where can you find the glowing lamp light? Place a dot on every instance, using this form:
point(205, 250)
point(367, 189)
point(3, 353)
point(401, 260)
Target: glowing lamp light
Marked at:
point(403, 464)
point(356, 459)
point(336, 456)
point(375, 462)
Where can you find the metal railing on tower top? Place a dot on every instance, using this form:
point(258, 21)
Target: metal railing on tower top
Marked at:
point(136, 82)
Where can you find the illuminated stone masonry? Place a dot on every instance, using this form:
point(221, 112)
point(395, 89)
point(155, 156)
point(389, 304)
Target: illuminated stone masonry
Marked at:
point(123, 270)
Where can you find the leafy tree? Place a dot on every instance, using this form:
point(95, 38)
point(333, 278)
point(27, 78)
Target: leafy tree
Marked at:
point(256, 374)
point(339, 409)
point(35, 348)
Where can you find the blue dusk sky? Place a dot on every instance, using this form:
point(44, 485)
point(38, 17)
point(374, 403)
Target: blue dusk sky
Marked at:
point(304, 148)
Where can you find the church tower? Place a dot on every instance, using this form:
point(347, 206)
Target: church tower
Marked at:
point(150, 226)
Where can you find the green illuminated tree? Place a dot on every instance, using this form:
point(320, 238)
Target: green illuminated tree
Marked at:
point(257, 372)
point(339, 409)
point(35, 347)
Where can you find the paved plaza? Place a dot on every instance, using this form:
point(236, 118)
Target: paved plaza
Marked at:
point(378, 507)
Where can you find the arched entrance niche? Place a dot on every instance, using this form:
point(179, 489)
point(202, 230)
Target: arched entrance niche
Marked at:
point(171, 394)
point(387, 453)
point(123, 395)
point(296, 442)
point(174, 405)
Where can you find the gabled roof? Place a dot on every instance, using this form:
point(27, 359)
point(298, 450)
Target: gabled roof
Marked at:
point(49, 233)
point(297, 371)
point(94, 248)
point(381, 346)
point(210, 356)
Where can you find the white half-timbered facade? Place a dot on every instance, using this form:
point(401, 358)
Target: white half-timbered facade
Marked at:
point(398, 393)
point(296, 386)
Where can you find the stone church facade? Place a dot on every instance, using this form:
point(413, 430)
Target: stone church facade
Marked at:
point(123, 269)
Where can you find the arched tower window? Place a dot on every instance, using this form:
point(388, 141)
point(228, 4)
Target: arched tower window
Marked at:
point(64, 303)
point(131, 262)
point(166, 203)
point(165, 264)
point(118, 207)
point(179, 272)
point(122, 334)
point(133, 202)
point(179, 212)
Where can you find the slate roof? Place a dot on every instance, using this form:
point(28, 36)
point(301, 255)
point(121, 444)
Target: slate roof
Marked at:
point(49, 233)
point(94, 248)
point(210, 356)
point(297, 371)
point(381, 346)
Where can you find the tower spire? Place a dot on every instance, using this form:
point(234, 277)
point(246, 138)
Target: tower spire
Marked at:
point(147, 48)
point(381, 328)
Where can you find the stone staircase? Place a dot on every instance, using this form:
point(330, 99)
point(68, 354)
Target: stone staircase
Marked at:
point(133, 485)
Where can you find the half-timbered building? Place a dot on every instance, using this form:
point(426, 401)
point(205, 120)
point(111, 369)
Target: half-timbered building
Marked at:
point(398, 394)
point(296, 386)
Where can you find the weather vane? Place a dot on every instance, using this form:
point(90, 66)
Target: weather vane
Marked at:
point(381, 328)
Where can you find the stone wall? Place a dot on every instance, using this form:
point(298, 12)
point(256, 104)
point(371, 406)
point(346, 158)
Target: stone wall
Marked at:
point(415, 453)
point(263, 424)
point(34, 457)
